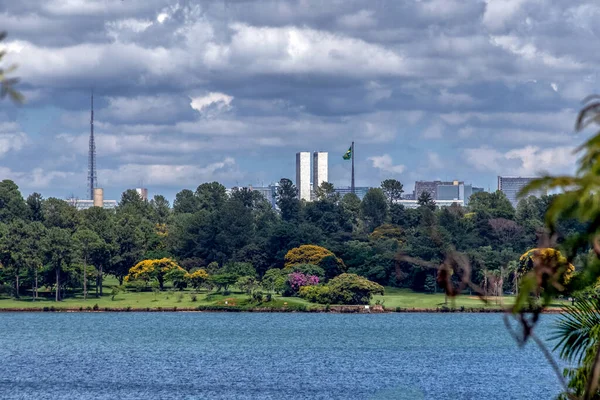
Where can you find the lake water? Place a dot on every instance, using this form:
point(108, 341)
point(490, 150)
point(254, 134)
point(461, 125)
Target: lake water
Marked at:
point(268, 356)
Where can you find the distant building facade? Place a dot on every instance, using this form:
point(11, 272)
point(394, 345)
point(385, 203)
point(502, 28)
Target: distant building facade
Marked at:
point(80, 204)
point(438, 203)
point(303, 175)
point(428, 186)
point(360, 191)
point(512, 185)
point(320, 168)
point(444, 191)
point(143, 193)
point(268, 192)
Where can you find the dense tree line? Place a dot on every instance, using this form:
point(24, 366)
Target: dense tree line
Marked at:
point(47, 242)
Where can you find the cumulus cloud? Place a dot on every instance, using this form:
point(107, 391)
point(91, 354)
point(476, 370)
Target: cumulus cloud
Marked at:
point(498, 13)
point(360, 19)
point(527, 161)
point(12, 139)
point(386, 164)
point(170, 175)
point(218, 101)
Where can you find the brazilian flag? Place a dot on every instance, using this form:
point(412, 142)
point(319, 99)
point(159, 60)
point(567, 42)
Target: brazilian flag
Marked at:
point(348, 154)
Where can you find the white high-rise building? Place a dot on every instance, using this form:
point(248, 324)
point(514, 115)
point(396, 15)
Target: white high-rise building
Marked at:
point(143, 193)
point(303, 175)
point(320, 168)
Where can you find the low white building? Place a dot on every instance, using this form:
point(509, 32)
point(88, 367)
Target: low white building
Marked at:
point(438, 203)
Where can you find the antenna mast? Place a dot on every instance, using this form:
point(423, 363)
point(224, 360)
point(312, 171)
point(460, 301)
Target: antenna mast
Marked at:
point(92, 178)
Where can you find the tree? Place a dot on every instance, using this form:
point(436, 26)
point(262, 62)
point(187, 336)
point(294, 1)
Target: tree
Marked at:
point(155, 270)
point(161, 209)
point(425, 200)
point(506, 231)
point(12, 251)
point(58, 248)
point(374, 208)
point(102, 222)
point(544, 261)
point(247, 284)
point(132, 203)
point(495, 204)
point(197, 277)
point(243, 195)
point(350, 210)
point(274, 280)
point(326, 192)
point(59, 214)
point(129, 240)
point(35, 203)
point(287, 200)
point(87, 242)
point(238, 269)
point(12, 205)
point(185, 202)
point(223, 281)
point(393, 190)
point(309, 254)
point(7, 85)
point(211, 196)
point(34, 252)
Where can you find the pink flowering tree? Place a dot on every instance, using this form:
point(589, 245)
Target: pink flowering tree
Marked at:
point(297, 279)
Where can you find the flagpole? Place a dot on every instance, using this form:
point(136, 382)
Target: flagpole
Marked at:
point(352, 187)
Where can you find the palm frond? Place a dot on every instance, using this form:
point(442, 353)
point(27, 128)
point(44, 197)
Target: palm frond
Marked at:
point(575, 329)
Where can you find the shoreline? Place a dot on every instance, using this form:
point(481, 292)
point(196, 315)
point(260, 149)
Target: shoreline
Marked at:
point(324, 309)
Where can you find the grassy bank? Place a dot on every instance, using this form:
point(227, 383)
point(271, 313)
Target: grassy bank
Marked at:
point(406, 298)
point(393, 299)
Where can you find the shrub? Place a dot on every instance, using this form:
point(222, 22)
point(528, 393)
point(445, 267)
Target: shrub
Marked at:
point(247, 284)
point(193, 297)
point(309, 269)
point(136, 286)
point(296, 280)
point(316, 294)
point(115, 291)
point(257, 296)
point(343, 289)
point(179, 297)
point(353, 289)
point(274, 280)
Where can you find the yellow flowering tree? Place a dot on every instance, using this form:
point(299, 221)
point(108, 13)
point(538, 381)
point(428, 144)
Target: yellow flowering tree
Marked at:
point(315, 255)
point(196, 278)
point(545, 267)
point(150, 270)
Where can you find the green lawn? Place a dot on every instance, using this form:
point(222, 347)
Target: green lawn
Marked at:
point(393, 298)
point(406, 298)
point(166, 299)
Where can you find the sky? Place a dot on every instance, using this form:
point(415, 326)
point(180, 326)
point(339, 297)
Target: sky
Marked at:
point(188, 92)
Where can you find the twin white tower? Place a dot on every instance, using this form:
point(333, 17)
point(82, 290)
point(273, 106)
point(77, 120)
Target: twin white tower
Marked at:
point(320, 170)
